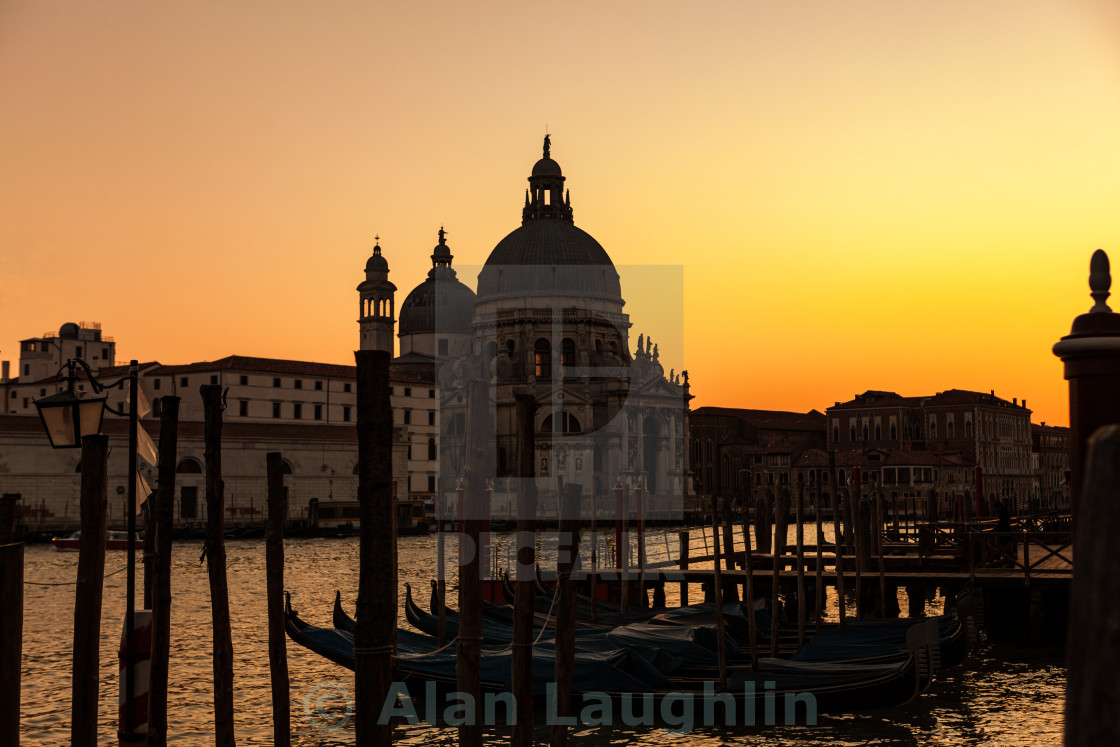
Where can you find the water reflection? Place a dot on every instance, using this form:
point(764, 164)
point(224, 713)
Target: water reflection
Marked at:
point(983, 702)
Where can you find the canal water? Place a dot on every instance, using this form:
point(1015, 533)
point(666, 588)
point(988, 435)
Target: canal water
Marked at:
point(985, 701)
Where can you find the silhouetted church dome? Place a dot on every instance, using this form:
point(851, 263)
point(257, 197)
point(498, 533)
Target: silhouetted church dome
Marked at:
point(377, 263)
point(441, 302)
point(548, 254)
point(546, 167)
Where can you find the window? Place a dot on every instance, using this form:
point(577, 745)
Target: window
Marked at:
point(835, 433)
point(182, 381)
point(243, 408)
point(407, 393)
point(77, 351)
point(346, 414)
point(407, 417)
point(318, 386)
point(275, 409)
point(567, 422)
point(878, 432)
point(431, 417)
point(213, 379)
point(297, 410)
point(950, 429)
point(105, 354)
point(894, 432)
point(299, 383)
point(14, 394)
point(155, 384)
point(568, 352)
point(542, 359)
point(318, 412)
point(852, 434)
point(26, 402)
point(865, 431)
point(276, 383)
point(431, 449)
point(42, 392)
point(346, 387)
point(431, 394)
point(244, 380)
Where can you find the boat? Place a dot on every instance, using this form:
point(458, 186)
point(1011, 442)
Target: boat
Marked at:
point(618, 674)
point(114, 540)
point(344, 517)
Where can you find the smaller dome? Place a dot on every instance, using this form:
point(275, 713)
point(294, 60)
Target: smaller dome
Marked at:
point(441, 303)
point(546, 167)
point(69, 331)
point(377, 263)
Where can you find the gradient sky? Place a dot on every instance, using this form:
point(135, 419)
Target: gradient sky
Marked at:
point(855, 195)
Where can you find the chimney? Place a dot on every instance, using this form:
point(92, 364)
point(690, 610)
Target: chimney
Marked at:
point(1024, 404)
point(5, 369)
point(1015, 401)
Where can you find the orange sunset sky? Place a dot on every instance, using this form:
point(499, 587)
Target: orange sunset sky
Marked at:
point(816, 198)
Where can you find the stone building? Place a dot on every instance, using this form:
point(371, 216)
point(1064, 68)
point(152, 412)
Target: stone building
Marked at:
point(955, 430)
point(548, 320)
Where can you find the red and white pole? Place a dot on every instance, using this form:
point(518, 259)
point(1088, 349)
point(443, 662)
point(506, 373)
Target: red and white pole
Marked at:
point(135, 714)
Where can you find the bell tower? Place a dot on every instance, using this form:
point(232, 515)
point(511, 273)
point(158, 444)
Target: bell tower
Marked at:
point(375, 293)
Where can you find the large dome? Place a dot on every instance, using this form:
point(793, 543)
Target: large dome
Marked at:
point(548, 255)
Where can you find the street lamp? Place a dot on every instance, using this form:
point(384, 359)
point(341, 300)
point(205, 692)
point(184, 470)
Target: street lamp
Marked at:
point(67, 417)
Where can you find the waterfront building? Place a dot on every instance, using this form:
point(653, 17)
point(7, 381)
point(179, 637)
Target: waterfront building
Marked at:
point(976, 430)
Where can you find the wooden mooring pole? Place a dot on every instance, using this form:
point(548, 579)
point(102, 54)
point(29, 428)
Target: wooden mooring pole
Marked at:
point(274, 584)
point(521, 677)
point(1092, 697)
point(819, 603)
point(800, 544)
point(11, 642)
point(781, 512)
point(216, 566)
point(748, 582)
point(683, 539)
point(469, 651)
point(161, 583)
point(838, 545)
point(376, 625)
point(88, 592)
point(567, 552)
point(721, 642)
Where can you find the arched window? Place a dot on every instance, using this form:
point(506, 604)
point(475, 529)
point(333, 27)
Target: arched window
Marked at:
point(950, 429)
point(835, 433)
point(510, 347)
point(568, 424)
point(878, 432)
point(542, 359)
point(431, 449)
point(968, 429)
point(568, 352)
point(852, 435)
point(894, 432)
point(865, 431)
point(189, 466)
point(933, 429)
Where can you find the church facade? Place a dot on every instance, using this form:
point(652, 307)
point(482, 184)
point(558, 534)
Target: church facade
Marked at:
point(547, 320)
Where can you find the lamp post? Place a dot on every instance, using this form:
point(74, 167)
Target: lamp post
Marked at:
point(67, 417)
